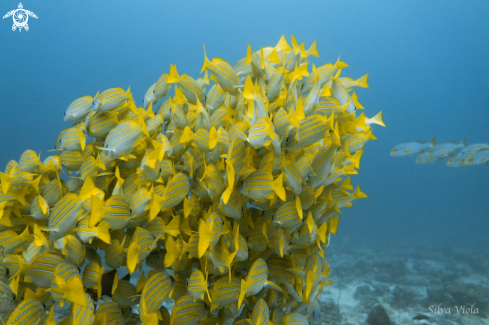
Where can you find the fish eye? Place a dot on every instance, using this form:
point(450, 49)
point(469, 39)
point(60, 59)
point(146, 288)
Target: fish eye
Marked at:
point(287, 140)
point(242, 208)
point(7, 271)
point(43, 306)
point(172, 279)
point(64, 113)
point(14, 297)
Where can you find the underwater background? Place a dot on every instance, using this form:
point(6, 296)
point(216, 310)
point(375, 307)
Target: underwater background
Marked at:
point(428, 72)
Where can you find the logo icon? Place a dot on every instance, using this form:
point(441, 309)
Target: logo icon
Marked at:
point(20, 17)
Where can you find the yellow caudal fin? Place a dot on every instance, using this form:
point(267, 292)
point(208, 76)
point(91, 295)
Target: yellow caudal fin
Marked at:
point(249, 89)
point(377, 119)
point(359, 194)
point(248, 55)
point(322, 232)
point(87, 189)
point(115, 283)
point(103, 232)
point(155, 206)
point(357, 104)
point(173, 77)
point(282, 45)
point(187, 135)
point(5, 179)
point(205, 236)
point(213, 138)
point(132, 256)
point(141, 283)
point(81, 138)
point(172, 253)
point(340, 65)
point(362, 81)
point(173, 227)
point(75, 292)
point(242, 292)
point(97, 211)
point(278, 187)
point(298, 205)
point(312, 51)
point(207, 63)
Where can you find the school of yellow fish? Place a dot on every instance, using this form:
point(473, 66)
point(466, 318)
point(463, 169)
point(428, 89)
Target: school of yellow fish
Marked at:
point(228, 196)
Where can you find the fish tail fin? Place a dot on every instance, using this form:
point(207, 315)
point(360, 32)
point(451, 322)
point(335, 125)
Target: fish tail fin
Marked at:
point(155, 206)
point(132, 256)
point(249, 89)
point(362, 81)
point(312, 51)
point(273, 286)
point(75, 292)
point(278, 187)
point(242, 292)
point(248, 55)
point(213, 138)
point(173, 227)
point(115, 283)
point(87, 188)
point(207, 63)
point(97, 211)
point(173, 77)
point(359, 194)
point(205, 236)
point(322, 232)
point(5, 180)
point(187, 135)
point(171, 252)
point(339, 64)
point(377, 119)
point(103, 232)
point(81, 138)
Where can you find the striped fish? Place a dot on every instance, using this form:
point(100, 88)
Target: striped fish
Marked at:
point(82, 315)
point(261, 313)
point(288, 215)
point(66, 284)
point(28, 312)
point(322, 165)
point(215, 97)
point(72, 139)
point(155, 291)
point(41, 269)
point(325, 72)
point(115, 212)
point(295, 319)
point(187, 310)
point(110, 313)
point(311, 130)
point(293, 176)
point(189, 86)
point(110, 99)
point(121, 140)
point(8, 301)
point(225, 292)
point(259, 185)
point(78, 109)
point(279, 269)
point(141, 245)
point(125, 294)
point(223, 73)
point(175, 191)
point(10, 240)
point(73, 250)
point(114, 253)
point(210, 230)
point(100, 124)
point(92, 276)
point(30, 161)
point(71, 160)
point(341, 94)
point(197, 285)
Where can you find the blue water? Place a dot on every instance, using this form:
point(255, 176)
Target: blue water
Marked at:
point(428, 65)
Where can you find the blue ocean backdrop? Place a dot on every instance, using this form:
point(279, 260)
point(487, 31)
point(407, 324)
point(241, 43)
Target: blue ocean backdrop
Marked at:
point(428, 73)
